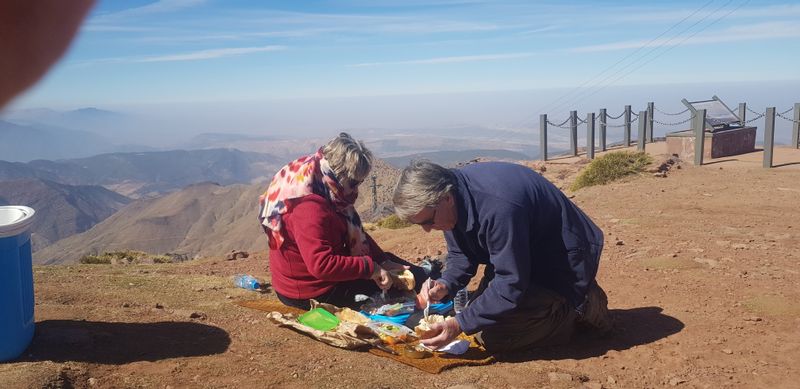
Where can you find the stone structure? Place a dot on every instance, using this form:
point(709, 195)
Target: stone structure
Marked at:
point(719, 143)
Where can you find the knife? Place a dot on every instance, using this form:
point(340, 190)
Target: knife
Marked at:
point(380, 346)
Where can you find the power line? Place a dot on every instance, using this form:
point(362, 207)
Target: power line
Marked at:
point(634, 62)
point(665, 51)
point(552, 104)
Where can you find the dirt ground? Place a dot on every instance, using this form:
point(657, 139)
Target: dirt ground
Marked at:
point(700, 268)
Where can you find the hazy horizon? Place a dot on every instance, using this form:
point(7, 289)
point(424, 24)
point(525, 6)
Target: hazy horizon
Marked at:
point(174, 69)
point(159, 125)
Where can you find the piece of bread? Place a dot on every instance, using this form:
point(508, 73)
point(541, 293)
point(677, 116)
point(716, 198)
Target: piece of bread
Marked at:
point(423, 329)
point(349, 315)
point(403, 280)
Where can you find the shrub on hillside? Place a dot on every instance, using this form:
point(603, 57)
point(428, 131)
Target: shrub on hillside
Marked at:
point(612, 166)
point(393, 222)
point(92, 259)
point(124, 257)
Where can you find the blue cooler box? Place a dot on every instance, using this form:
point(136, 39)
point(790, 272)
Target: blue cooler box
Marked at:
point(16, 281)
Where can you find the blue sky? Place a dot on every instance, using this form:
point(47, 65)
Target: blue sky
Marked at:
point(263, 66)
point(205, 50)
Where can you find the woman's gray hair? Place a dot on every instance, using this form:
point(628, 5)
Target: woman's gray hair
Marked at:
point(349, 159)
point(422, 184)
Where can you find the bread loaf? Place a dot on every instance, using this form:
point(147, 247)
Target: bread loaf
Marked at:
point(423, 329)
point(403, 280)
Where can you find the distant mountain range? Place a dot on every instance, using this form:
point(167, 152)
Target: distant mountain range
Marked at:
point(61, 210)
point(98, 121)
point(149, 174)
point(452, 158)
point(27, 142)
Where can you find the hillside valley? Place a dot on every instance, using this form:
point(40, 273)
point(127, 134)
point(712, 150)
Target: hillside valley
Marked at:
point(204, 219)
point(61, 210)
point(149, 174)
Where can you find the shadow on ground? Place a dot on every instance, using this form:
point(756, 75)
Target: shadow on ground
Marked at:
point(120, 343)
point(634, 327)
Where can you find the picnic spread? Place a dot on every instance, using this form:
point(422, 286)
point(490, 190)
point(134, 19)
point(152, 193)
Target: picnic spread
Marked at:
point(383, 327)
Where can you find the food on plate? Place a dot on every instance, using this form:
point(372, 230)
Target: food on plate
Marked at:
point(390, 333)
point(390, 307)
point(424, 330)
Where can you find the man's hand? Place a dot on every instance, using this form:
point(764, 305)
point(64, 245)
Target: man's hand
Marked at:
point(443, 333)
point(435, 292)
point(382, 277)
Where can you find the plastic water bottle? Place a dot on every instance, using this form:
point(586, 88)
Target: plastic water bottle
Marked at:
point(460, 300)
point(246, 281)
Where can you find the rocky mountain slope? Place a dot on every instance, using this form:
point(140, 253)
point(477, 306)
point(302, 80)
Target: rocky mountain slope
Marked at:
point(149, 174)
point(61, 210)
point(202, 219)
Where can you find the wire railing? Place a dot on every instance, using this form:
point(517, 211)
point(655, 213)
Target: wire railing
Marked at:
point(645, 121)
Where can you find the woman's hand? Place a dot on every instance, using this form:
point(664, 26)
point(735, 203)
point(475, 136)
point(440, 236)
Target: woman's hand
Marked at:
point(443, 333)
point(382, 277)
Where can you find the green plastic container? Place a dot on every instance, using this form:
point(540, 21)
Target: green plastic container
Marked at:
point(319, 319)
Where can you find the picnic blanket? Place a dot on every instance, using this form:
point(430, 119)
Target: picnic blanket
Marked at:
point(284, 316)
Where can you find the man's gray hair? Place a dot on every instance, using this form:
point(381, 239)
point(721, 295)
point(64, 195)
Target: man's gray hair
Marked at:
point(348, 158)
point(422, 184)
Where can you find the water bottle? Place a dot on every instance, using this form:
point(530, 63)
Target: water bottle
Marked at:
point(246, 281)
point(460, 300)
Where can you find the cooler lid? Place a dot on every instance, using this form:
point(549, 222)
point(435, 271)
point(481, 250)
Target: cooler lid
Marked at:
point(15, 219)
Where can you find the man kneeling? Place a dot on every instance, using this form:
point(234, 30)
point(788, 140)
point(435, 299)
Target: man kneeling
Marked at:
point(540, 250)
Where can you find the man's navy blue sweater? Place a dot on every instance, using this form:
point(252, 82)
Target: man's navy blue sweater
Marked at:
point(514, 219)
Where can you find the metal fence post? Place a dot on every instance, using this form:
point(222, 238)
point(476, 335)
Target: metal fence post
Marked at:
point(627, 118)
point(573, 132)
point(742, 113)
point(699, 126)
point(543, 135)
point(769, 136)
point(590, 135)
point(650, 109)
point(642, 130)
point(603, 119)
point(796, 127)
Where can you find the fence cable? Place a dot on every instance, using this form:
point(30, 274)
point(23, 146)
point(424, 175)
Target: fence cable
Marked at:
point(786, 111)
point(615, 117)
point(672, 114)
point(780, 115)
point(559, 125)
point(676, 123)
point(760, 115)
point(617, 125)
